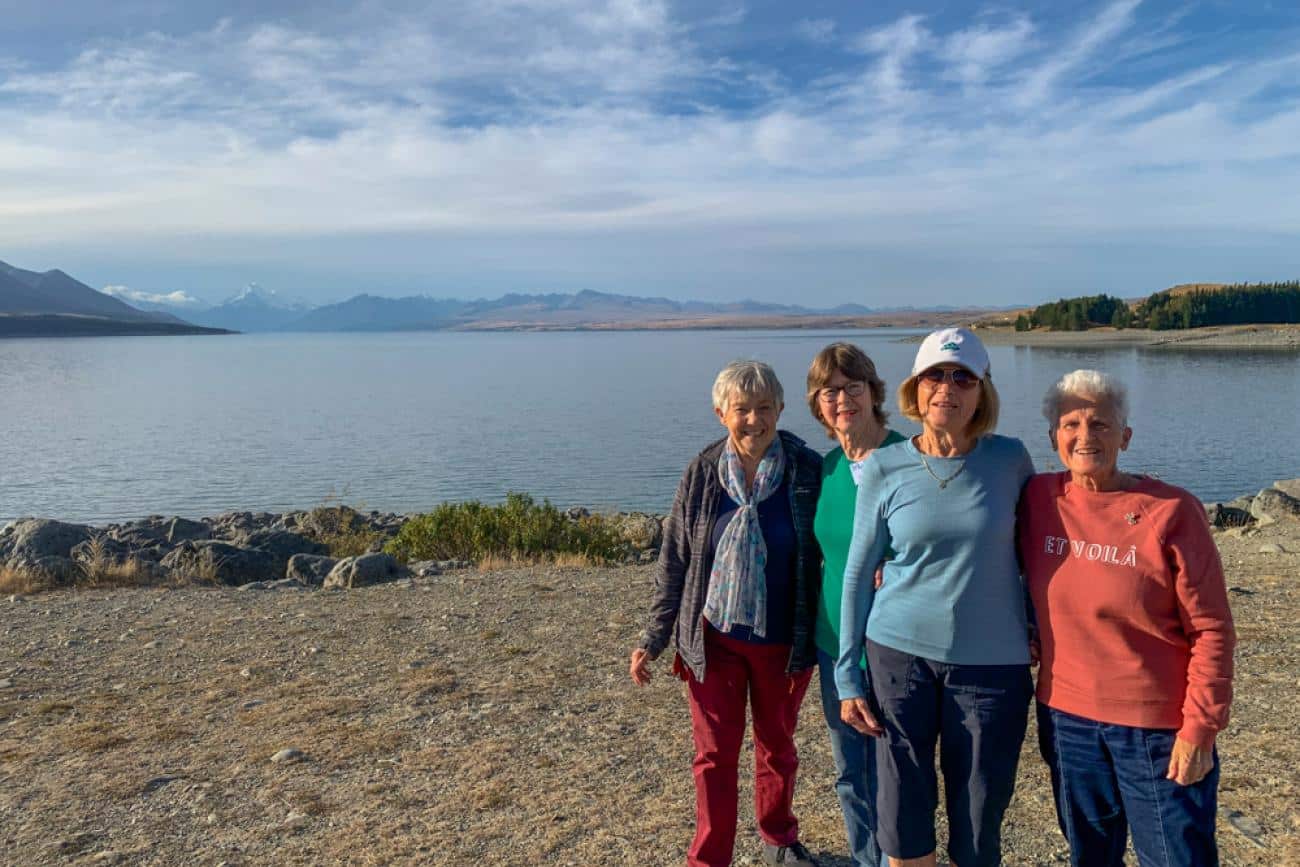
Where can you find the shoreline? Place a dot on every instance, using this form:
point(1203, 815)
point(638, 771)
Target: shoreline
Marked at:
point(1272, 338)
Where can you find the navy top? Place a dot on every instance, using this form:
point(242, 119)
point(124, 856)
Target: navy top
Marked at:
point(777, 523)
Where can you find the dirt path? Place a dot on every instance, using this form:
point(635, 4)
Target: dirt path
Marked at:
point(471, 718)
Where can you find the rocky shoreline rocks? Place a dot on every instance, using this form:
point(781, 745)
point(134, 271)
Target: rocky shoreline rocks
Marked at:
point(266, 550)
point(253, 550)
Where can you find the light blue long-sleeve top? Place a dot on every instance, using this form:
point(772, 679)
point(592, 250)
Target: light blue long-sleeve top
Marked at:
point(952, 591)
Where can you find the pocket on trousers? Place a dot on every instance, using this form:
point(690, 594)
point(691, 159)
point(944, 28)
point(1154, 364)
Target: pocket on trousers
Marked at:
point(894, 675)
point(992, 691)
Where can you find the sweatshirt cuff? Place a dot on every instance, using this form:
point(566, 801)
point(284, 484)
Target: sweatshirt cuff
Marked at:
point(850, 690)
point(1198, 735)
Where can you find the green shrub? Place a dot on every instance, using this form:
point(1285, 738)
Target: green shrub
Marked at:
point(341, 529)
point(518, 529)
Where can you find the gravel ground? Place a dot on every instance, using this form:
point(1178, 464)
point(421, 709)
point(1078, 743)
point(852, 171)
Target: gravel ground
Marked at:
point(474, 717)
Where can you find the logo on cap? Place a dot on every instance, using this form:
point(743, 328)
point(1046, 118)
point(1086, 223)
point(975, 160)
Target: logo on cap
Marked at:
point(949, 347)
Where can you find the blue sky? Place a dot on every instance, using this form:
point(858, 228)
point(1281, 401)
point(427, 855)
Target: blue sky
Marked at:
point(882, 153)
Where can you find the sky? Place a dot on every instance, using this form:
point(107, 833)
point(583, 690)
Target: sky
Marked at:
point(882, 153)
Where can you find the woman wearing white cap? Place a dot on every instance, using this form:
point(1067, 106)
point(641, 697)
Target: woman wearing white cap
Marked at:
point(945, 635)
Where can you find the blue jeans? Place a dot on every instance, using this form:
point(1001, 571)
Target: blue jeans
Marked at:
point(855, 766)
point(1107, 778)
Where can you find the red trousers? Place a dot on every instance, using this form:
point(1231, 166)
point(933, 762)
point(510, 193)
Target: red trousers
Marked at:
point(737, 673)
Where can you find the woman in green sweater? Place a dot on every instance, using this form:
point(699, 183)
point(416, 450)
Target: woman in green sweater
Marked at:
point(847, 396)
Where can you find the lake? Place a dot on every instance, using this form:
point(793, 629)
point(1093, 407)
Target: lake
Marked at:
point(104, 429)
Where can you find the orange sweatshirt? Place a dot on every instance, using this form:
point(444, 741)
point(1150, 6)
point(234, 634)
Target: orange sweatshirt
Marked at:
point(1131, 605)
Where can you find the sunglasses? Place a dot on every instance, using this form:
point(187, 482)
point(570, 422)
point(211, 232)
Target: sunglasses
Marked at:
point(960, 377)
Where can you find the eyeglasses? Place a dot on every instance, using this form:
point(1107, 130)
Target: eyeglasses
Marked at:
point(960, 377)
point(831, 393)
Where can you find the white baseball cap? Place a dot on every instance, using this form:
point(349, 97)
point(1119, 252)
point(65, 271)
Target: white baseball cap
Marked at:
point(952, 346)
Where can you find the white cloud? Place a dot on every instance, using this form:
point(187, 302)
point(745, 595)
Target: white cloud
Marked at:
point(1113, 20)
point(615, 122)
point(895, 45)
point(979, 52)
point(177, 298)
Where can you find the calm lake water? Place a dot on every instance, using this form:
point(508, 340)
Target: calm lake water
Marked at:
point(106, 429)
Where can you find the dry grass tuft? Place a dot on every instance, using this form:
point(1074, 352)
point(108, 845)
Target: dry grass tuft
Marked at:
point(22, 582)
point(93, 737)
point(497, 562)
point(52, 707)
point(101, 569)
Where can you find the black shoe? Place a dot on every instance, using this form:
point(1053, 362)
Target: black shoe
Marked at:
point(795, 854)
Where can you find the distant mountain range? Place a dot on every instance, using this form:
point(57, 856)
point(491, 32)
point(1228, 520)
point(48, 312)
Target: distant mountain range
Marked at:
point(53, 302)
point(256, 309)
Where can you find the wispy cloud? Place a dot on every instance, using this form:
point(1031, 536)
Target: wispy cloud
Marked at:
point(1069, 57)
point(596, 134)
point(894, 45)
point(978, 52)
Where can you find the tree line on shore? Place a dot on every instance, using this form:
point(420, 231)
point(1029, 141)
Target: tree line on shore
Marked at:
point(1238, 304)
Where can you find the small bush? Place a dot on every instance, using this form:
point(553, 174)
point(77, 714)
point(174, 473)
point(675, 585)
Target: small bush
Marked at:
point(517, 530)
point(343, 530)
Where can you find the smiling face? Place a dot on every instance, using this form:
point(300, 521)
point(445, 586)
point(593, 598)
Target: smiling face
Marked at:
point(1088, 438)
point(945, 406)
point(750, 419)
point(846, 414)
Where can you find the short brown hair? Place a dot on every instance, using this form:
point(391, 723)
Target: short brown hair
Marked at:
point(856, 365)
point(982, 422)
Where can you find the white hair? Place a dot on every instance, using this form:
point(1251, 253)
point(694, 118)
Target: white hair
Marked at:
point(1091, 384)
point(748, 378)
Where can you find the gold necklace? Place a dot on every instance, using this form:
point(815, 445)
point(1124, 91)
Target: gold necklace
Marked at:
point(943, 482)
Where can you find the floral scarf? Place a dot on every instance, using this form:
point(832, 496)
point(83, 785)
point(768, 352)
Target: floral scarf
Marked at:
point(738, 583)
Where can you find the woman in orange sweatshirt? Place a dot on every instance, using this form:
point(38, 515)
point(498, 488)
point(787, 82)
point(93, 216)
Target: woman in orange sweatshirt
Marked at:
point(1136, 640)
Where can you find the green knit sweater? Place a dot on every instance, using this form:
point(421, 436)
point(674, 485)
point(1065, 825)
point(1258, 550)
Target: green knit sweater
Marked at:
point(833, 526)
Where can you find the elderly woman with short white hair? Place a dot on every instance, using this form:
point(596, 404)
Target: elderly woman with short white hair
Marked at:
point(1136, 640)
point(736, 595)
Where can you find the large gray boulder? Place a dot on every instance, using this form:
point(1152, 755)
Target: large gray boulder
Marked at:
point(1271, 504)
point(39, 538)
point(148, 532)
point(280, 544)
point(309, 569)
point(1290, 487)
point(180, 530)
point(105, 549)
point(363, 571)
point(211, 560)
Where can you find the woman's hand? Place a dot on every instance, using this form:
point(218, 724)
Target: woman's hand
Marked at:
point(855, 712)
point(640, 666)
point(1189, 763)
